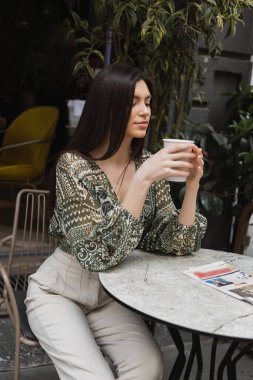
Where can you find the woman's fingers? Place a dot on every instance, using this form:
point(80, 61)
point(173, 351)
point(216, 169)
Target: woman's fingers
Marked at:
point(179, 147)
point(176, 173)
point(181, 161)
point(182, 155)
point(200, 160)
point(179, 164)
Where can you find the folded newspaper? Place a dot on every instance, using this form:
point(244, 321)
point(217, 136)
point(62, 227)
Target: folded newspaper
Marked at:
point(226, 278)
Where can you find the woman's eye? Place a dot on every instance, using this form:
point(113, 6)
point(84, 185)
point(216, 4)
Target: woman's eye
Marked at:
point(146, 104)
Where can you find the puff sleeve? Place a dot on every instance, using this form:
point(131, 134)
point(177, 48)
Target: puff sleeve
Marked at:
point(166, 234)
point(91, 225)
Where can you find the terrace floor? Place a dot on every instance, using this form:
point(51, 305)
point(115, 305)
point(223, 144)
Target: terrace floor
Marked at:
point(35, 364)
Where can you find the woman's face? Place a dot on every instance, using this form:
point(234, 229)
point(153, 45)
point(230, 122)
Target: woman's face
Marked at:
point(140, 115)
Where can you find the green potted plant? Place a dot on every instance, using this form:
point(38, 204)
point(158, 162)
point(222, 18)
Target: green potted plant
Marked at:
point(77, 34)
point(227, 184)
point(162, 38)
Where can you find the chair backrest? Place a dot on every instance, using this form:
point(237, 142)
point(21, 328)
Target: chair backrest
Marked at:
point(34, 123)
point(29, 244)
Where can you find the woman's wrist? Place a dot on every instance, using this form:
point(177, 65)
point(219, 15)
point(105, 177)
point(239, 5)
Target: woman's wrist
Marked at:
point(141, 180)
point(136, 195)
point(192, 186)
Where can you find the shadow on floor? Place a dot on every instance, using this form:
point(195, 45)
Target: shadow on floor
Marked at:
point(38, 359)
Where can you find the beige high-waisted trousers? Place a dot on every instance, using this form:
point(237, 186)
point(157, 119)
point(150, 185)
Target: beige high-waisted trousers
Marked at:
point(78, 325)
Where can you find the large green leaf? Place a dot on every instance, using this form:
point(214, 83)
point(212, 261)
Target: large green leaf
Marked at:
point(210, 203)
point(212, 2)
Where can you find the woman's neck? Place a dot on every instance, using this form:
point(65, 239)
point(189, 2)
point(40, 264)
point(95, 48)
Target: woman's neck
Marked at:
point(120, 158)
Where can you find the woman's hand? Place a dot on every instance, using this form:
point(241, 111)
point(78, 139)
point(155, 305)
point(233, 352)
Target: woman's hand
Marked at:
point(196, 172)
point(176, 161)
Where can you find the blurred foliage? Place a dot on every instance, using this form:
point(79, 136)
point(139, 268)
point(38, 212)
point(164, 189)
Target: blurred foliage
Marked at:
point(41, 42)
point(77, 33)
point(161, 37)
point(228, 155)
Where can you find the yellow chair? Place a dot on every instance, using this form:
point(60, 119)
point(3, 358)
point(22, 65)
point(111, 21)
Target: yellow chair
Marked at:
point(26, 145)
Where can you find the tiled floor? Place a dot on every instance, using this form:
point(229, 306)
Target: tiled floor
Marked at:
point(37, 366)
point(29, 356)
point(39, 373)
point(42, 372)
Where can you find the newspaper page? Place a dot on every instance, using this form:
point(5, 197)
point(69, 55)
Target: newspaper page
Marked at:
point(226, 278)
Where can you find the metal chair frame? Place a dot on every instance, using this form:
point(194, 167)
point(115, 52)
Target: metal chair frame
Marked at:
point(24, 258)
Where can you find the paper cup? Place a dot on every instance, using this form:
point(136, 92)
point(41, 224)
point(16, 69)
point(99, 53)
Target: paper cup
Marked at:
point(170, 142)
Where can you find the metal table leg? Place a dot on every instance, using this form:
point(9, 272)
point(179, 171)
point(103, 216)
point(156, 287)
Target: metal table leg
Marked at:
point(196, 342)
point(195, 351)
point(229, 362)
point(226, 361)
point(237, 358)
point(213, 357)
point(180, 361)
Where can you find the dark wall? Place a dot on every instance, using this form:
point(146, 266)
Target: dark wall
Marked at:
point(35, 60)
point(224, 73)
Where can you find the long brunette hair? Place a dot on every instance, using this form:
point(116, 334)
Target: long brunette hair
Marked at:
point(107, 110)
point(106, 113)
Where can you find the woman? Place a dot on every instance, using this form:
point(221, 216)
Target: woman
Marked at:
point(111, 198)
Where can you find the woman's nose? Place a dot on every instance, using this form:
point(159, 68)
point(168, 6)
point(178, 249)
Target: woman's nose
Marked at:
point(144, 109)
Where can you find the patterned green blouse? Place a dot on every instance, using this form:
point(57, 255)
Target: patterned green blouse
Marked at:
point(91, 224)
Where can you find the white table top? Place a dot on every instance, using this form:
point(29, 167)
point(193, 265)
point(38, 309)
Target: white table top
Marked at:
point(154, 285)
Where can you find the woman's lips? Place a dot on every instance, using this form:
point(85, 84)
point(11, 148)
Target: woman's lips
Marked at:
point(142, 124)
